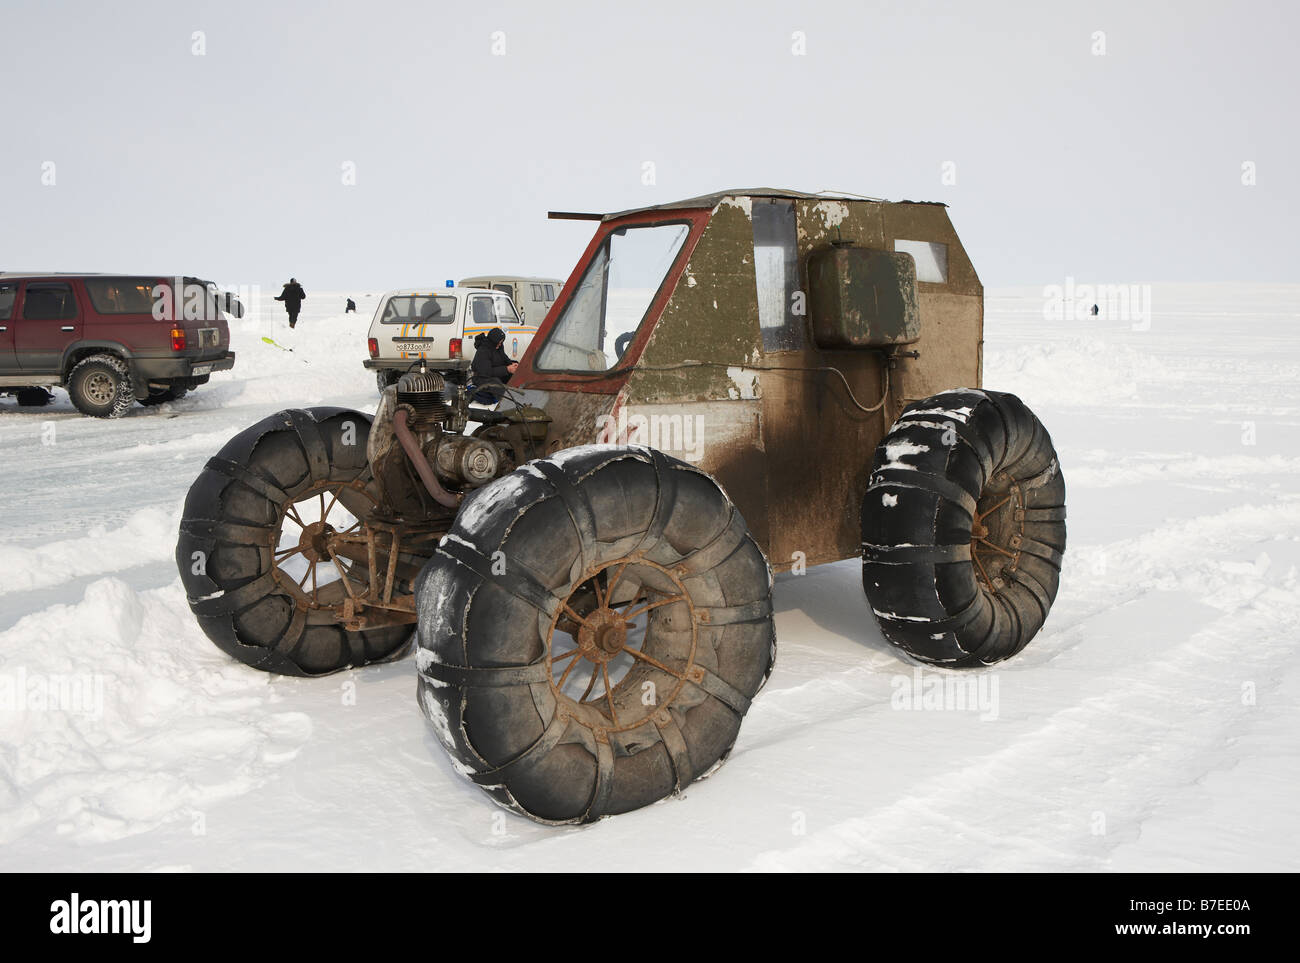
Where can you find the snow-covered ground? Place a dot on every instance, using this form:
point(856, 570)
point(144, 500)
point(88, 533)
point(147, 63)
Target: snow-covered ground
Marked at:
point(1151, 725)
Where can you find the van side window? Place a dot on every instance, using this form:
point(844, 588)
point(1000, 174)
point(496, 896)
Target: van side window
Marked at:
point(776, 274)
point(49, 302)
point(481, 311)
point(8, 292)
point(537, 291)
point(550, 292)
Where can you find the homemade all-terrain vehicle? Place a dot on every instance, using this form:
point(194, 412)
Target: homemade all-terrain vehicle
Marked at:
point(751, 381)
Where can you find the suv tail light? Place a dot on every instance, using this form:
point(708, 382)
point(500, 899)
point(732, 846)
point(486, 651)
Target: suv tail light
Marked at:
point(372, 345)
point(178, 339)
point(455, 348)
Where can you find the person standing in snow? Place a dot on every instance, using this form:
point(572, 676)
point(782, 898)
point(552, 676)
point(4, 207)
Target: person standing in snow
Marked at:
point(491, 363)
point(351, 307)
point(293, 296)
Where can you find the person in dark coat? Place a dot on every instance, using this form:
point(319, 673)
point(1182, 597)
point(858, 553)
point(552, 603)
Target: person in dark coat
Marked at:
point(293, 296)
point(351, 307)
point(491, 363)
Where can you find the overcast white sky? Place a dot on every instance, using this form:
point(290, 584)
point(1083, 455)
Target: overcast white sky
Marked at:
point(1117, 168)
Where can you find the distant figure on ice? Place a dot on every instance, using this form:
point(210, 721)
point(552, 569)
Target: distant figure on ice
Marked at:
point(351, 308)
point(1095, 310)
point(491, 363)
point(293, 296)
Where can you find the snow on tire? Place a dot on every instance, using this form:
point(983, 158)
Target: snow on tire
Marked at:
point(591, 632)
point(236, 553)
point(100, 386)
point(963, 528)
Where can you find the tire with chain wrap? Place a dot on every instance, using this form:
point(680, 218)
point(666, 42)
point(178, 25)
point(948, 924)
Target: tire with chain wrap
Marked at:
point(230, 529)
point(963, 528)
point(521, 576)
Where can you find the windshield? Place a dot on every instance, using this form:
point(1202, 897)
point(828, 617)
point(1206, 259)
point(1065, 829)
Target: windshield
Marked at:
point(612, 299)
point(419, 309)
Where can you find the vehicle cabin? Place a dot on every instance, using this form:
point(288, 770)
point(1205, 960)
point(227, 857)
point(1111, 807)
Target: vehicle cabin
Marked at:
point(743, 317)
point(533, 297)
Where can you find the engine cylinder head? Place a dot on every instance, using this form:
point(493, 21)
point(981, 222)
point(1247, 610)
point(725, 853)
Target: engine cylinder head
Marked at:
point(425, 392)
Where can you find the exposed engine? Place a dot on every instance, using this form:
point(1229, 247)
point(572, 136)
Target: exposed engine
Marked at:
point(419, 452)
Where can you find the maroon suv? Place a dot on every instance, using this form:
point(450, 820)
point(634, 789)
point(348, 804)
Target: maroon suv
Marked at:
point(110, 340)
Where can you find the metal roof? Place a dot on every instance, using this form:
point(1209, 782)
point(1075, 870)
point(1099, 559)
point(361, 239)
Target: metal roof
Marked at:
point(712, 200)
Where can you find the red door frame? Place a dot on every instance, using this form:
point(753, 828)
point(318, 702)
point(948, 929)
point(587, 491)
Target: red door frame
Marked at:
point(608, 383)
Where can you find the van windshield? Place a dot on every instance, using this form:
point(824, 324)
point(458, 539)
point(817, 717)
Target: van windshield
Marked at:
point(610, 302)
point(419, 309)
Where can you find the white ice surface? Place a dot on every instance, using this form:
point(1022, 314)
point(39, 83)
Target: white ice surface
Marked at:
point(1150, 726)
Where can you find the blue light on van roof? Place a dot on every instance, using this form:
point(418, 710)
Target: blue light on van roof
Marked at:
point(451, 283)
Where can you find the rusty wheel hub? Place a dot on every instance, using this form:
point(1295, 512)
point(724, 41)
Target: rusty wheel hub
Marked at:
point(997, 532)
point(313, 541)
point(600, 627)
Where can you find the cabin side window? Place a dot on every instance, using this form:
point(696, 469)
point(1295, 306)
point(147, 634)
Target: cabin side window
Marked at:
point(776, 274)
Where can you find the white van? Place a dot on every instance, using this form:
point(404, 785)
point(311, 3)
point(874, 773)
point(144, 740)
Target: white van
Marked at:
point(438, 325)
point(533, 297)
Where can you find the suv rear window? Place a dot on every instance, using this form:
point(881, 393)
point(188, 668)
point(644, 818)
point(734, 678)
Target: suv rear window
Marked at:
point(8, 292)
point(121, 295)
point(49, 302)
point(419, 309)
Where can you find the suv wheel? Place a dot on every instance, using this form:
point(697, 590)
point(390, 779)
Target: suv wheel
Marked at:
point(100, 386)
point(34, 397)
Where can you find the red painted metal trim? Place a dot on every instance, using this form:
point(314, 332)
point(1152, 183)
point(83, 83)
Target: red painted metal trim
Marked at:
point(526, 376)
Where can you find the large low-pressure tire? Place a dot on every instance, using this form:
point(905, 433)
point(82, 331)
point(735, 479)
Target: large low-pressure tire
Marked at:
point(963, 528)
point(591, 632)
point(100, 386)
point(279, 484)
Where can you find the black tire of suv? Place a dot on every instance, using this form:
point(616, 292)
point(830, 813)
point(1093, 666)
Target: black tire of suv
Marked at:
point(100, 386)
point(963, 528)
point(225, 551)
point(158, 397)
point(34, 397)
point(520, 560)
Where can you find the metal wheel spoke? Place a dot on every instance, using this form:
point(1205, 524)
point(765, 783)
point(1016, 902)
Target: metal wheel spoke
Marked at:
point(638, 654)
point(574, 615)
point(653, 605)
point(565, 677)
point(291, 513)
point(609, 587)
point(347, 582)
point(286, 552)
point(609, 692)
point(983, 515)
point(590, 685)
point(980, 565)
point(311, 569)
point(997, 548)
point(567, 655)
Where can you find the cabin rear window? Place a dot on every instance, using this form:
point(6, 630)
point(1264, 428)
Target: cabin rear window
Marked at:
point(931, 259)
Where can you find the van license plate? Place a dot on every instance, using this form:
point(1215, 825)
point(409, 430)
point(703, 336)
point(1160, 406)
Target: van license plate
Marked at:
point(408, 346)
